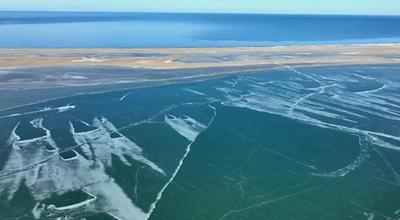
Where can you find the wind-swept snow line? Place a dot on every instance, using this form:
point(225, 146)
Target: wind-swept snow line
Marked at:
point(124, 96)
point(46, 109)
point(320, 90)
point(302, 74)
point(194, 91)
point(384, 86)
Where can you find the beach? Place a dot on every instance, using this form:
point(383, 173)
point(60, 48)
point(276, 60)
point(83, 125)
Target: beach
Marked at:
point(184, 58)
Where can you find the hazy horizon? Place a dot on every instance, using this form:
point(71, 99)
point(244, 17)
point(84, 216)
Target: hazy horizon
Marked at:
point(194, 12)
point(318, 7)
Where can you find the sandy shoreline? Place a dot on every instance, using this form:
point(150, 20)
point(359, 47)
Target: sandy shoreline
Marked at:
point(185, 58)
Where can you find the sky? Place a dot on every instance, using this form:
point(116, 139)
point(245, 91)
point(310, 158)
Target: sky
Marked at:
point(381, 7)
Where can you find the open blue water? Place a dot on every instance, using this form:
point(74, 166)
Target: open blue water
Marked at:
point(143, 30)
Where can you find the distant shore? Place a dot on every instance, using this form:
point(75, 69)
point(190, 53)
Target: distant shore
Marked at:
point(185, 58)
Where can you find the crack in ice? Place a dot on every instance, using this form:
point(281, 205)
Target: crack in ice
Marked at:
point(175, 173)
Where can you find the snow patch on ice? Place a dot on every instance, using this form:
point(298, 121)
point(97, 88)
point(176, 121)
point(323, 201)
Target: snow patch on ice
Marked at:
point(185, 126)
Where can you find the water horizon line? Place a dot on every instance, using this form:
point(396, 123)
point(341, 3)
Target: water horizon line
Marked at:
point(199, 13)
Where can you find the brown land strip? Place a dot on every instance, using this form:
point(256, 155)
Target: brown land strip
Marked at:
point(172, 58)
